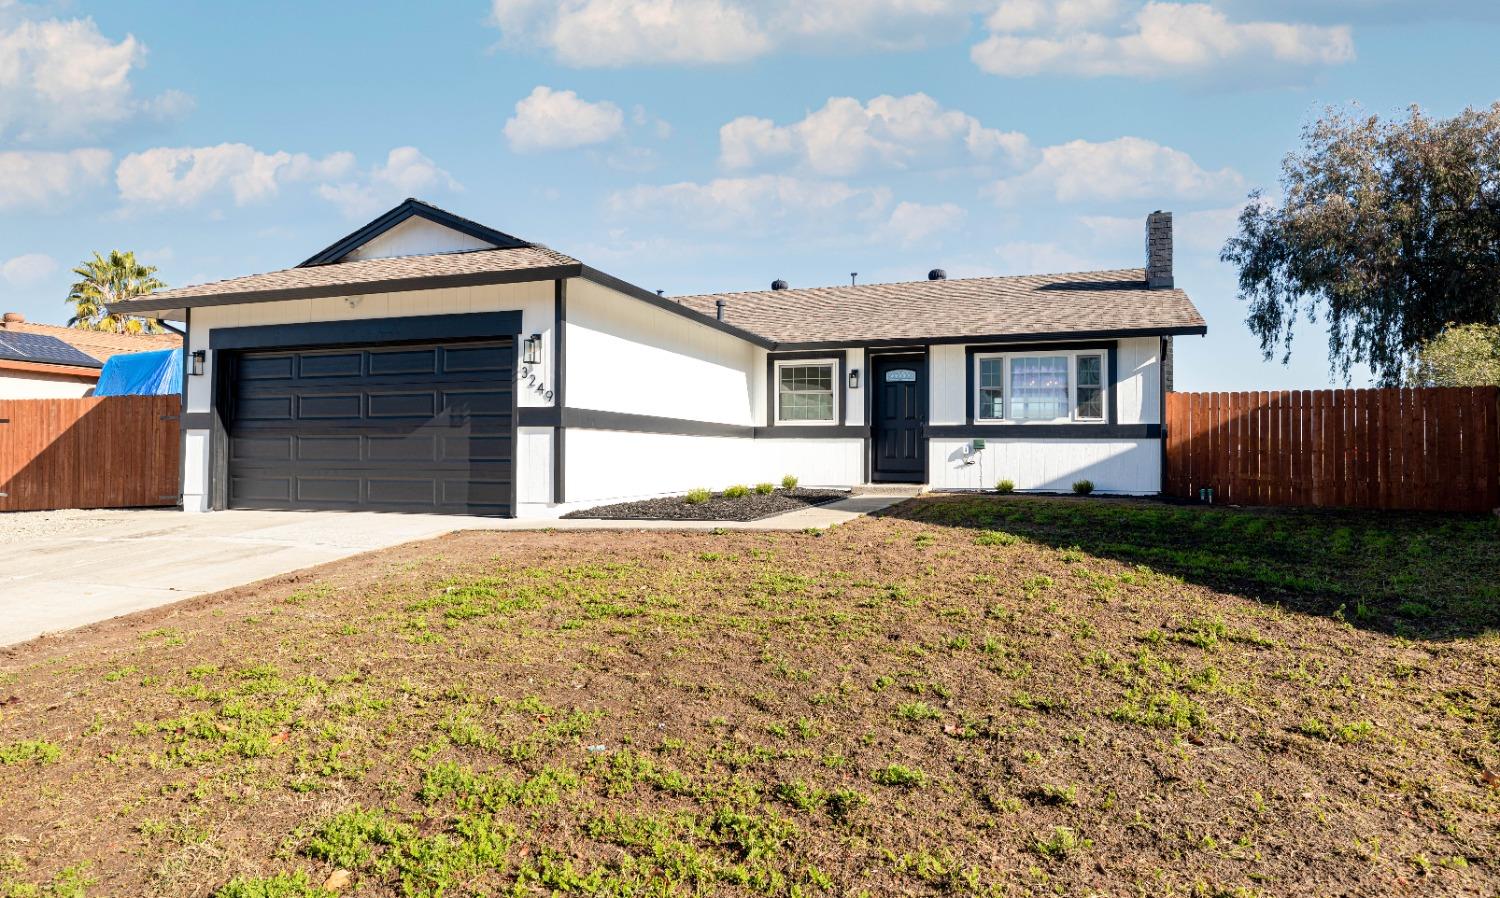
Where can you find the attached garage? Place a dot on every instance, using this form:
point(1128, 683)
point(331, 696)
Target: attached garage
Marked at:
point(418, 428)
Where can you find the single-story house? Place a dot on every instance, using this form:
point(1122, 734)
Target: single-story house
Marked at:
point(48, 361)
point(36, 366)
point(426, 362)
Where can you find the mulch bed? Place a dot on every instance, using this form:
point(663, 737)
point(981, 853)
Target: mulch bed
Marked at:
point(746, 508)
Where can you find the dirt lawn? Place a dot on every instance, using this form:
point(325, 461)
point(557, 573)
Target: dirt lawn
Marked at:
point(966, 696)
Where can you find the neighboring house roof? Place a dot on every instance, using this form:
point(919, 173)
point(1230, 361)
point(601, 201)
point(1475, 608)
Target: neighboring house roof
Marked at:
point(1047, 305)
point(40, 349)
point(98, 344)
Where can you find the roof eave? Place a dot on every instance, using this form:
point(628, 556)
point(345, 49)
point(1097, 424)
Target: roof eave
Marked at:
point(1010, 337)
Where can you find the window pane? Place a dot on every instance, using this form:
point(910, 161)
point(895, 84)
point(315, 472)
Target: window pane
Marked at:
point(1089, 370)
point(805, 393)
point(1039, 387)
point(991, 404)
point(990, 372)
point(1090, 402)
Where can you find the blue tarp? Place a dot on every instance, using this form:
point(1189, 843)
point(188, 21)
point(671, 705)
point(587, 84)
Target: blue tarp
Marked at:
point(141, 374)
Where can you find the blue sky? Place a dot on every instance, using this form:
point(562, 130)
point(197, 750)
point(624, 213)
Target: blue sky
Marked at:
point(701, 145)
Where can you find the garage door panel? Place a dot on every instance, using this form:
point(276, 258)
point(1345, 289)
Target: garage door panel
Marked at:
point(403, 361)
point(425, 428)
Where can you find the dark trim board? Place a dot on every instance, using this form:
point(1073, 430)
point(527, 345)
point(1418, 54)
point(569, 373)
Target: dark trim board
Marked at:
point(408, 329)
point(1047, 431)
point(560, 391)
point(1112, 375)
point(840, 371)
point(411, 208)
point(1117, 333)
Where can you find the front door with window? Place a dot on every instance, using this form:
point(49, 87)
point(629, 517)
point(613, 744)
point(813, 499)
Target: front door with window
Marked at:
point(897, 418)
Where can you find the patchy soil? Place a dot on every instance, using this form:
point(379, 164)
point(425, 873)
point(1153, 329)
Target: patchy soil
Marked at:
point(719, 507)
point(967, 696)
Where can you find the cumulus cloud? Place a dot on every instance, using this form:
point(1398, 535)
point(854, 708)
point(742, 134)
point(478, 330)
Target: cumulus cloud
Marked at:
point(592, 33)
point(38, 181)
point(405, 172)
point(550, 119)
point(753, 204)
point(1155, 39)
point(846, 137)
point(183, 176)
point(912, 223)
point(27, 270)
point(1126, 168)
point(64, 78)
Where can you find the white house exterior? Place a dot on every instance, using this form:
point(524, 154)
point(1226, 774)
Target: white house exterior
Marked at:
point(428, 363)
point(41, 366)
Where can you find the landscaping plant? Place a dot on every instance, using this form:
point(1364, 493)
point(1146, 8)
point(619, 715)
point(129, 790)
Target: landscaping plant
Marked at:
point(1083, 487)
point(1005, 487)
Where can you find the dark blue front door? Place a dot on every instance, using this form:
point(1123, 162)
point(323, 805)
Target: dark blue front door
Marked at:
point(898, 415)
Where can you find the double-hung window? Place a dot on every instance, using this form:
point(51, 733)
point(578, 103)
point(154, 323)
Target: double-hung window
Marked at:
point(1040, 387)
point(806, 392)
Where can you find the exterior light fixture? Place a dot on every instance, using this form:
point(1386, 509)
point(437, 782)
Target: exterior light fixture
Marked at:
point(198, 358)
point(531, 352)
point(854, 378)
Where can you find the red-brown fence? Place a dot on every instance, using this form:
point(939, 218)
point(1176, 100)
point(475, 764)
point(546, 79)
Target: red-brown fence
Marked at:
point(1430, 449)
point(110, 452)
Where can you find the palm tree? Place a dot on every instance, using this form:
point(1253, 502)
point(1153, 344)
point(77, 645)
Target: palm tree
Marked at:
point(103, 282)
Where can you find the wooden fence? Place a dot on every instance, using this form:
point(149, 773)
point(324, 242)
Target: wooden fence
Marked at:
point(110, 452)
point(1428, 449)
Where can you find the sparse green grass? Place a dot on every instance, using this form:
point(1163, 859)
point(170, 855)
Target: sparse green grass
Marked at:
point(971, 696)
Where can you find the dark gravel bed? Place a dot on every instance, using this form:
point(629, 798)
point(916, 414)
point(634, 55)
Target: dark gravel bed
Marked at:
point(747, 508)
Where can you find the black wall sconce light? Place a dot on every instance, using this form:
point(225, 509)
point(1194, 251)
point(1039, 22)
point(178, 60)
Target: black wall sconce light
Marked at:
point(198, 358)
point(854, 378)
point(531, 350)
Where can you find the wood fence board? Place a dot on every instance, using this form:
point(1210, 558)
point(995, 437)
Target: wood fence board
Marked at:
point(108, 452)
point(1429, 448)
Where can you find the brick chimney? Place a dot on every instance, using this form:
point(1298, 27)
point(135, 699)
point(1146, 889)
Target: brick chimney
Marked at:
point(1159, 250)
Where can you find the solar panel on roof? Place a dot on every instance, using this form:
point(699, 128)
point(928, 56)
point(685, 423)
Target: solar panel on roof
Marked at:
point(19, 347)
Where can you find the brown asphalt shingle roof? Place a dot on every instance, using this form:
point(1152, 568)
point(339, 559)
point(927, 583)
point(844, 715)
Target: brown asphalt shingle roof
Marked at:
point(1035, 305)
point(365, 272)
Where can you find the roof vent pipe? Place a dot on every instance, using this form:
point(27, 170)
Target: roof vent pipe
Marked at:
point(778, 284)
point(937, 274)
point(719, 305)
point(14, 318)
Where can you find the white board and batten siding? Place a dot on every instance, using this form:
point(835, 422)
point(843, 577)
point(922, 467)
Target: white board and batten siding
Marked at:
point(534, 301)
point(1131, 466)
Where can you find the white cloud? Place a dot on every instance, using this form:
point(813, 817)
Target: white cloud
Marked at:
point(846, 137)
point(1039, 257)
point(1155, 39)
point(594, 33)
point(405, 172)
point(24, 271)
point(63, 78)
point(756, 204)
point(1126, 168)
point(550, 119)
point(912, 223)
point(1201, 231)
point(183, 176)
point(40, 181)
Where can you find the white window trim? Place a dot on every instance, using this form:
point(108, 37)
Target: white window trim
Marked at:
point(837, 387)
point(1072, 389)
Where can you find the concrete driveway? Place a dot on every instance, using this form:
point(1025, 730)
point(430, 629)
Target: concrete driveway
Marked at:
point(60, 570)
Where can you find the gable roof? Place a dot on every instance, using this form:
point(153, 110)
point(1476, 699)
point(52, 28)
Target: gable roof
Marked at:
point(410, 208)
point(41, 349)
point(1091, 303)
point(98, 344)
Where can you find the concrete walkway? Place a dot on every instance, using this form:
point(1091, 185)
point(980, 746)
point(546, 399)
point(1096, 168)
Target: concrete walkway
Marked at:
point(67, 569)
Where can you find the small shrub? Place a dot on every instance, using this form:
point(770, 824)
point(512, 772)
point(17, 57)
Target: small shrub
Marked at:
point(738, 491)
point(1083, 487)
point(765, 489)
point(789, 482)
point(698, 496)
point(1005, 487)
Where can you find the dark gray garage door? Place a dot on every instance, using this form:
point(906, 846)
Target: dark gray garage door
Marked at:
point(380, 428)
